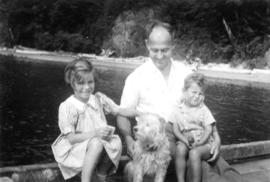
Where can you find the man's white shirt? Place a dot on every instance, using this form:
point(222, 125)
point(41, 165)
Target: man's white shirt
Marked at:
point(147, 90)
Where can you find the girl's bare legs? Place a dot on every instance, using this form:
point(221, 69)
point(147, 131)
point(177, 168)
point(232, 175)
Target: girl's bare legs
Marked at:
point(196, 155)
point(93, 153)
point(180, 161)
point(105, 164)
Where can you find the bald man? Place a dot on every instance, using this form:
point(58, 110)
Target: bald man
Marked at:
point(156, 87)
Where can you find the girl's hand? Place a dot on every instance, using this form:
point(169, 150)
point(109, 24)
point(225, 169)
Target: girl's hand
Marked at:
point(109, 105)
point(103, 133)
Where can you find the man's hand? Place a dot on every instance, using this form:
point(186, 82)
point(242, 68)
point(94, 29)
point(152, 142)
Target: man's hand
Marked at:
point(109, 105)
point(215, 151)
point(130, 146)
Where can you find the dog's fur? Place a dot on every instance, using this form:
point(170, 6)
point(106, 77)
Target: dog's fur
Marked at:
point(151, 150)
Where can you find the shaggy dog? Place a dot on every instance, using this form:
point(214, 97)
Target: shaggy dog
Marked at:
point(151, 150)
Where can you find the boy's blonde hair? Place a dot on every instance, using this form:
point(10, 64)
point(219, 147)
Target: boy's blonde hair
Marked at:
point(197, 78)
point(76, 69)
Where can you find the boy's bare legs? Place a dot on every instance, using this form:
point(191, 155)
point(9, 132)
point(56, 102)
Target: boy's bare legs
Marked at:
point(196, 155)
point(180, 161)
point(94, 151)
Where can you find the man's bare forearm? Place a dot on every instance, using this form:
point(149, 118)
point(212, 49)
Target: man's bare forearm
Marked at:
point(127, 112)
point(124, 125)
point(216, 135)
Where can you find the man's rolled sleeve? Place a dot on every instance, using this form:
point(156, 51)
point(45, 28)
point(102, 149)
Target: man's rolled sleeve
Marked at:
point(130, 95)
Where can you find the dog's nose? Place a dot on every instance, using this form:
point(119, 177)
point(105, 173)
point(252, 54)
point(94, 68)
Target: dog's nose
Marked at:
point(135, 129)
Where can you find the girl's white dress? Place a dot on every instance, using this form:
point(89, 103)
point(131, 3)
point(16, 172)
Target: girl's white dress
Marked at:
point(76, 116)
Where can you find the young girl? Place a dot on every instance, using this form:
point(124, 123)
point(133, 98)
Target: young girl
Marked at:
point(86, 143)
point(193, 125)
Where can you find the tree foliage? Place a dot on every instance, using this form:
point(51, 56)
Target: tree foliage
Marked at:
point(222, 30)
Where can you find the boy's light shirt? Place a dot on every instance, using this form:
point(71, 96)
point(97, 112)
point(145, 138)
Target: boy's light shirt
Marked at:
point(147, 91)
point(192, 118)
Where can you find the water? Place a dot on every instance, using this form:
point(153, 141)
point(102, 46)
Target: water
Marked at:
point(30, 94)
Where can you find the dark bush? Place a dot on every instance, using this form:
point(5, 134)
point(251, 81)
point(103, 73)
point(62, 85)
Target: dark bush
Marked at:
point(228, 31)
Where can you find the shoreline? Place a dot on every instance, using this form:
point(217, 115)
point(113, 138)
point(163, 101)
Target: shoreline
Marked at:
point(255, 77)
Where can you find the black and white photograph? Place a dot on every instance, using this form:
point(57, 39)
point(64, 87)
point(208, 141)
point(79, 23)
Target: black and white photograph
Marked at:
point(135, 91)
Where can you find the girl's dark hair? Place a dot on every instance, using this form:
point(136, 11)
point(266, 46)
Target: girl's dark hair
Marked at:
point(75, 70)
point(197, 78)
point(157, 23)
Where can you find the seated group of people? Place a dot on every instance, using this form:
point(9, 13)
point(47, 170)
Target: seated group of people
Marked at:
point(162, 86)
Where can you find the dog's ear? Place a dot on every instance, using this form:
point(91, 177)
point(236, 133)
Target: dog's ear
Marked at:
point(162, 125)
point(139, 119)
point(137, 133)
point(162, 120)
point(139, 136)
point(135, 129)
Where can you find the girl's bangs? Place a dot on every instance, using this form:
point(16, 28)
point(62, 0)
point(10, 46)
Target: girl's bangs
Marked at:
point(81, 75)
